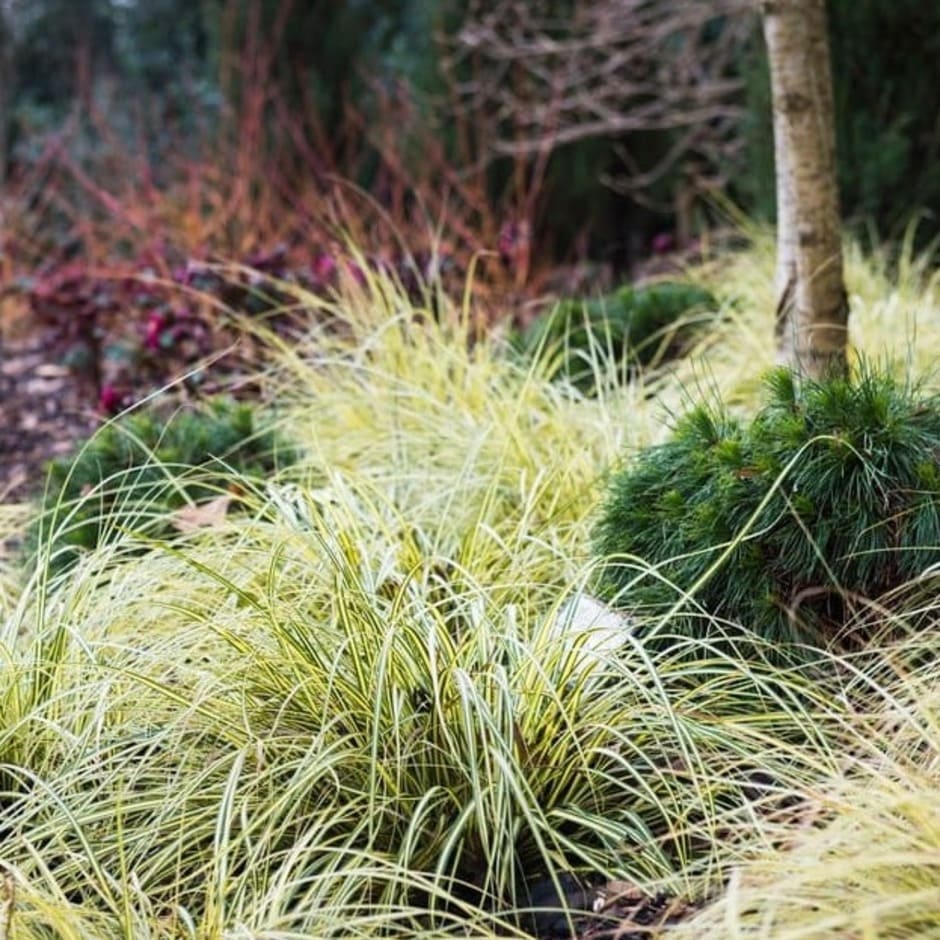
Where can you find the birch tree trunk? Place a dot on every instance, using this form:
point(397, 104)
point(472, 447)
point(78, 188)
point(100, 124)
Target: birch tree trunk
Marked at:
point(812, 306)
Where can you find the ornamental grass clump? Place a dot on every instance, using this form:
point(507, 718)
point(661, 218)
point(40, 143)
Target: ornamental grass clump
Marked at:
point(862, 859)
point(793, 525)
point(485, 754)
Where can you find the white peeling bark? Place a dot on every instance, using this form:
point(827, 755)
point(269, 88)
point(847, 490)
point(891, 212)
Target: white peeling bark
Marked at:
point(812, 311)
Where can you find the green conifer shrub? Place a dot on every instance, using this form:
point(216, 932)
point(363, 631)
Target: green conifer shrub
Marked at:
point(135, 471)
point(789, 525)
point(632, 327)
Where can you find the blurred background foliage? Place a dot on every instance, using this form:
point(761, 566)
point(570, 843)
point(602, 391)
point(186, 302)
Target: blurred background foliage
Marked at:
point(365, 75)
point(887, 129)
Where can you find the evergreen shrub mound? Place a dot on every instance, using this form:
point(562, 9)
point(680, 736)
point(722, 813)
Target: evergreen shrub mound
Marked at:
point(136, 471)
point(829, 498)
point(631, 328)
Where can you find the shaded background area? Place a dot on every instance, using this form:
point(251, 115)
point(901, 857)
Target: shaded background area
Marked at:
point(357, 89)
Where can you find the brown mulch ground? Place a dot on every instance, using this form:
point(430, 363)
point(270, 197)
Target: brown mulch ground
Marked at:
point(619, 910)
point(44, 412)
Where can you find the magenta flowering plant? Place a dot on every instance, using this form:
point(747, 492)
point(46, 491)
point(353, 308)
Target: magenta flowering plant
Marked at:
point(127, 330)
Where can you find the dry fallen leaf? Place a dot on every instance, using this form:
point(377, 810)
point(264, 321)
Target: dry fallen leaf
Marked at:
point(204, 516)
point(50, 370)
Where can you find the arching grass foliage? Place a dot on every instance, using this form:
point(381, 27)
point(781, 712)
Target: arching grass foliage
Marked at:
point(361, 706)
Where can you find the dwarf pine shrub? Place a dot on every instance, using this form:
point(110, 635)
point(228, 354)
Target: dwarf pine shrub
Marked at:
point(789, 525)
point(632, 327)
point(136, 470)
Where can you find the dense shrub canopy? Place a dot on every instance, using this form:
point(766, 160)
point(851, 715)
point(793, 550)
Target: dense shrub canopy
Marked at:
point(828, 499)
point(632, 327)
point(136, 469)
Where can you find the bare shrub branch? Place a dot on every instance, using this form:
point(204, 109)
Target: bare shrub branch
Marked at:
point(612, 68)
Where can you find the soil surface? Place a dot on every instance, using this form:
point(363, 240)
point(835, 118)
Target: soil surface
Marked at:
point(620, 911)
point(44, 412)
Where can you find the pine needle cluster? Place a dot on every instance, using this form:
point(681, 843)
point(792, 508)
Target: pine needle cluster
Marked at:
point(791, 525)
point(633, 327)
point(139, 467)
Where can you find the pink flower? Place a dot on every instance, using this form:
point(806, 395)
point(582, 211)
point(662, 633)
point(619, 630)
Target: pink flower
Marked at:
point(156, 323)
point(323, 268)
point(663, 242)
point(110, 400)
